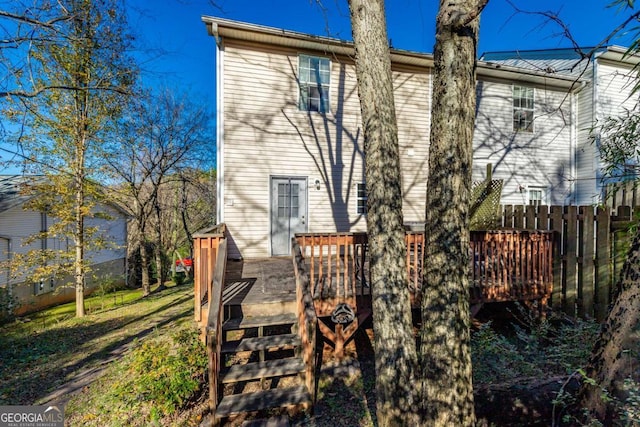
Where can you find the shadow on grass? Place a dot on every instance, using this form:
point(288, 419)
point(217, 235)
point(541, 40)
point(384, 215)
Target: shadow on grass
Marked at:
point(32, 364)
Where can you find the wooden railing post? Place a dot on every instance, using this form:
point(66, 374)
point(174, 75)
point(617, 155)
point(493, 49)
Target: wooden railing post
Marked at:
point(214, 325)
point(307, 320)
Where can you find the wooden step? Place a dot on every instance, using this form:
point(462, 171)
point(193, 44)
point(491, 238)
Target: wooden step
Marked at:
point(256, 321)
point(259, 370)
point(275, 398)
point(262, 343)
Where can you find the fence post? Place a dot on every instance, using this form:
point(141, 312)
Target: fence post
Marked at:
point(557, 225)
point(571, 264)
point(603, 263)
point(586, 288)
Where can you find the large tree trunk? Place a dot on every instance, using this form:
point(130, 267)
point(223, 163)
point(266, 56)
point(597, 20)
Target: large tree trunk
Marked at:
point(445, 350)
point(393, 334)
point(614, 356)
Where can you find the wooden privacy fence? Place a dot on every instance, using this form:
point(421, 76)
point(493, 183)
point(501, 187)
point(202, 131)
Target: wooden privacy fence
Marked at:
point(590, 247)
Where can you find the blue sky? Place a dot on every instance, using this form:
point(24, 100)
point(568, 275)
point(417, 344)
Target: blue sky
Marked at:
point(188, 60)
point(178, 53)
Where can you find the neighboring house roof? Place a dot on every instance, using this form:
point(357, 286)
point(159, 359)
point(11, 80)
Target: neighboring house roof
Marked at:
point(12, 192)
point(221, 28)
point(12, 188)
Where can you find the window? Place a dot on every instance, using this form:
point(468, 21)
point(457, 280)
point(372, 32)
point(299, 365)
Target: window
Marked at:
point(288, 200)
point(537, 196)
point(523, 109)
point(361, 199)
point(314, 74)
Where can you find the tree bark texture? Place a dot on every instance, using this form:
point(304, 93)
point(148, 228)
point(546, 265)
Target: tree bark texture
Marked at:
point(394, 341)
point(615, 353)
point(445, 338)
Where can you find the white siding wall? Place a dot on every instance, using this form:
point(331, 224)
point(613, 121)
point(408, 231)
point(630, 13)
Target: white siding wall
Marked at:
point(19, 224)
point(265, 135)
point(613, 95)
point(586, 163)
point(113, 230)
point(521, 159)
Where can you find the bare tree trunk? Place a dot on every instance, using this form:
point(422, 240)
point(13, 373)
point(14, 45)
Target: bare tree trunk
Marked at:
point(394, 341)
point(445, 338)
point(144, 265)
point(614, 355)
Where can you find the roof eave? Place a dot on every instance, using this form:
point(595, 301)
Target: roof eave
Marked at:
point(224, 28)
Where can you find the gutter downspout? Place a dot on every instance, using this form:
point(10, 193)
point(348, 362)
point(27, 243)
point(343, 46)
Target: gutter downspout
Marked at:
point(597, 164)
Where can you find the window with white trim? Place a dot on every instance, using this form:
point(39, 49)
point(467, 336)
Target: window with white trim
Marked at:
point(523, 108)
point(537, 196)
point(361, 198)
point(314, 75)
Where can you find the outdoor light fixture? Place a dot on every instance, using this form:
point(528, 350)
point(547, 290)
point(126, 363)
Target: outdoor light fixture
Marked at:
point(317, 184)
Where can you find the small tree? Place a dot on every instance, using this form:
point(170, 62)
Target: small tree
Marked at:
point(66, 85)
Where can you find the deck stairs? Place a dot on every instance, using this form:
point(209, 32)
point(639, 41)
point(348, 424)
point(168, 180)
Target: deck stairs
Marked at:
point(260, 354)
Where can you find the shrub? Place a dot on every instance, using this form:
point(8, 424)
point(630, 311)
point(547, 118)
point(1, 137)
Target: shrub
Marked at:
point(8, 305)
point(165, 372)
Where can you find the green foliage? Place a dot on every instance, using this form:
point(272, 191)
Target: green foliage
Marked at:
point(557, 346)
point(8, 304)
point(167, 372)
point(179, 278)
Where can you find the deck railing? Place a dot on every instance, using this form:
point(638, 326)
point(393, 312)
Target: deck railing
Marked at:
point(205, 248)
point(506, 265)
point(511, 265)
point(307, 319)
point(337, 267)
point(214, 324)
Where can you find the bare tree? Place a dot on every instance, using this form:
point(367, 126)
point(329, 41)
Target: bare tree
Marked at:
point(163, 136)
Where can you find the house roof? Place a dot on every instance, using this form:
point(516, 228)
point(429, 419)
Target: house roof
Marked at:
point(12, 190)
point(567, 61)
point(221, 28)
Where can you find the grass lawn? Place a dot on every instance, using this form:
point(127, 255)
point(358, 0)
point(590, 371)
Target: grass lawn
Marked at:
point(52, 347)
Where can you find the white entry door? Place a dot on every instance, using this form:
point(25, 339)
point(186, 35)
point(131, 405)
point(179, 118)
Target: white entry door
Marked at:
point(288, 212)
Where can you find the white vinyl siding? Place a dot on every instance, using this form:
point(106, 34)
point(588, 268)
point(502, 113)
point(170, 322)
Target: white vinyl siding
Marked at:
point(521, 159)
point(266, 135)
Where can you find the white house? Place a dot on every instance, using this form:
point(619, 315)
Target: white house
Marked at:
point(17, 227)
point(290, 146)
point(606, 83)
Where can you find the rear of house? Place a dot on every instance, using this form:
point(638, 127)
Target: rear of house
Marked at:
point(291, 149)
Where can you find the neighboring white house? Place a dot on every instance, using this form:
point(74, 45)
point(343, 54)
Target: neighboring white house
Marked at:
point(291, 150)
point(608, 79)
point(18, 224)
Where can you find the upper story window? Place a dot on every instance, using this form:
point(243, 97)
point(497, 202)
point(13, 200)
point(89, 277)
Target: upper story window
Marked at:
point(523, 109)
point(361, 198)
point(314, 75)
